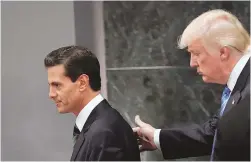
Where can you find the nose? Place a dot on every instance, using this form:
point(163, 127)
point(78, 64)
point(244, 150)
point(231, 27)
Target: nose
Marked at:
point(193, 62)
point(52, 93)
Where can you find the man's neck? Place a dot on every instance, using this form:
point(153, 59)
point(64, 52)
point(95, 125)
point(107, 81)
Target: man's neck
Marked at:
point(235, 57)
point(85, 100)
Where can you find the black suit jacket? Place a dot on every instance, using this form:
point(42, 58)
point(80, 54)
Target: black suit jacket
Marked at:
point(233, 130)
point(106, 136)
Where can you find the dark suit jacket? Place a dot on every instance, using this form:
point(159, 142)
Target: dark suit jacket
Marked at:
point(233, 130)
point(106, 136)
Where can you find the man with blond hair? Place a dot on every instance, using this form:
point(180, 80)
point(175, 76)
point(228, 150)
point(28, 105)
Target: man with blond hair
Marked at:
point(219, 48)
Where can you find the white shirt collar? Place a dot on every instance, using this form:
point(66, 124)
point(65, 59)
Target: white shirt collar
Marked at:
point(86, 111)
point(238, 69)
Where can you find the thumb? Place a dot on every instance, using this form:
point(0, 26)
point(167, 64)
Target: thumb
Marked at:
point(140, 122)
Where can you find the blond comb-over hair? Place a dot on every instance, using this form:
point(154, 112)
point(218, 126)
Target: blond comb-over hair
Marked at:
point(216, 27)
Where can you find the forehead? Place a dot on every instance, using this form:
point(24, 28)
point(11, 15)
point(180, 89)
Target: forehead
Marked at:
point(195, 46)
point(56, 74)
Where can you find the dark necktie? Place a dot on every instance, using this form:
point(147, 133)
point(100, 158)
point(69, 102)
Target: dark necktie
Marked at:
point(76, 133)
point(224, 98)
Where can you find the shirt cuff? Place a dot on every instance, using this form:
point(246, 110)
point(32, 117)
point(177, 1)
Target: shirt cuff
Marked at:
point(156, 138)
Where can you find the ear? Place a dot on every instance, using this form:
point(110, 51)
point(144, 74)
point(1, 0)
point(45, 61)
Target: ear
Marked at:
point(224, 53)
point(83, 81)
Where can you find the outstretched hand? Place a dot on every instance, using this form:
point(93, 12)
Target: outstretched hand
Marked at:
point(145, 133)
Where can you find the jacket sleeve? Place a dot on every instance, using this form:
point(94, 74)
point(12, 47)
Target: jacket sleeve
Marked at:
point(195, 140)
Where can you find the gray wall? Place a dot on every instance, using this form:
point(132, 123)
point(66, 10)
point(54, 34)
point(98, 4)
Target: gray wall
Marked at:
point(89, 31)
point(31, 127)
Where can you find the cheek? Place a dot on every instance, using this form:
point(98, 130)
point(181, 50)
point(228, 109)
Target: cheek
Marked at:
point(205, 63)
point(71, 96)
point(65, 96)
point(211, 67)
point(202, 62)
point(62, 96)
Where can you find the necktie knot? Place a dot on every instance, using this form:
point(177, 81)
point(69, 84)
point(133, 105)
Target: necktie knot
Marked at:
point(226, 91)
point(76, 133)
point(225, 96)
point(76, 130)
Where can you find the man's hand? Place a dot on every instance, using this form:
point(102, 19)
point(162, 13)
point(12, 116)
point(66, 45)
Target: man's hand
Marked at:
point(145, 133)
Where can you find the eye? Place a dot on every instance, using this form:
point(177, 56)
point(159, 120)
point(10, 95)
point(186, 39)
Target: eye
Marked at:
point(196, 53)
point(56, 85)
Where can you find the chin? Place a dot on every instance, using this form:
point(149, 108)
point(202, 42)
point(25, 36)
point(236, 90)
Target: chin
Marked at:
point(62, 110)
point(205, 79)
point(210, 80)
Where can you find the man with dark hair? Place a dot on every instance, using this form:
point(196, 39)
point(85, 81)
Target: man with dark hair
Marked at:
point(100, 132)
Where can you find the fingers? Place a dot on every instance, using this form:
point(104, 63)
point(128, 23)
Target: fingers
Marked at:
point(137, 132)
point(139, 141)
point(139, 137)
point(141, 146)
point(140, 122)
point(141, 149)
point(144, 145)
point(135, 129)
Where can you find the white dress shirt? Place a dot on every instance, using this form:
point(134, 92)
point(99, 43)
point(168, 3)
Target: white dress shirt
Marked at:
point(231, 83)
point(86, 111)
point(237, 70)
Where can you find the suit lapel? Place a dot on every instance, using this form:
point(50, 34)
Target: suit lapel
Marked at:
point(233, 100)
point(77, 146)
point(99, 110)
point(240, 85)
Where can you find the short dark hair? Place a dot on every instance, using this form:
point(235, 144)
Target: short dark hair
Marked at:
point(77, 60)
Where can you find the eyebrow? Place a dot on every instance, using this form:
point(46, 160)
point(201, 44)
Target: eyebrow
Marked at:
point(192, 51)
point(54, 83)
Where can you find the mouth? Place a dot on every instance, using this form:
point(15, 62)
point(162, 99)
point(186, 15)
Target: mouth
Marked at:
point(200, 73)
point(58, 103)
